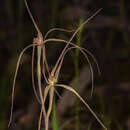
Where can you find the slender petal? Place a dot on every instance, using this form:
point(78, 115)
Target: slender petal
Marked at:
point(74, 92)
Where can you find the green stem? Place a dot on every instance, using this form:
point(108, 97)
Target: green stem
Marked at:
point(76, 64)
point(55, 123)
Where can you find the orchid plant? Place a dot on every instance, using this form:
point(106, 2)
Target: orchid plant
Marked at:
point(51, 77)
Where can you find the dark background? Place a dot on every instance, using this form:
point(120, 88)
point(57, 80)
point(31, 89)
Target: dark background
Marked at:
point(106, 36)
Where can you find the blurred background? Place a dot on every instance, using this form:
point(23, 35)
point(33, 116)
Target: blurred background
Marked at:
point(106, 36)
